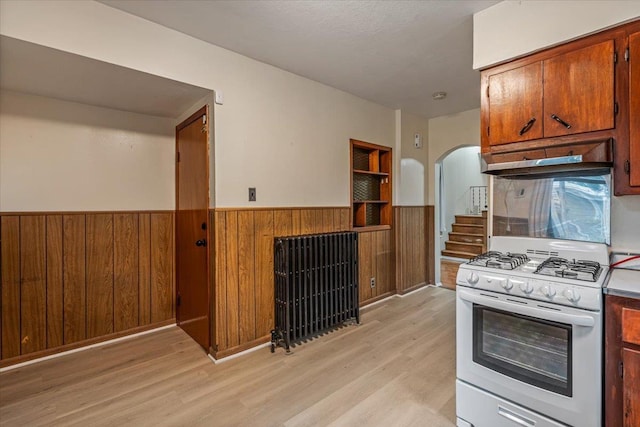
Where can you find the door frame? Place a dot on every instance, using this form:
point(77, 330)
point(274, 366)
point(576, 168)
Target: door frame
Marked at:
point(203, 111)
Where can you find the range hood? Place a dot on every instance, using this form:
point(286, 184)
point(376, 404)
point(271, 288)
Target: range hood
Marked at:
point(557, 159)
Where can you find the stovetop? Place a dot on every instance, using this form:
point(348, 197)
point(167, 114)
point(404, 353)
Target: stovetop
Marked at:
point(503, 261)
point(570, 269)
point(553, 271)
point(584, 270)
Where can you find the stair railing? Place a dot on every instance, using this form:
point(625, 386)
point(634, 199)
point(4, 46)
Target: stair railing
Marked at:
point(478, 199)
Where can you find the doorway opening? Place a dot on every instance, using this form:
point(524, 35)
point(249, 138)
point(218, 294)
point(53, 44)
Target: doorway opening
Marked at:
point(462, 201)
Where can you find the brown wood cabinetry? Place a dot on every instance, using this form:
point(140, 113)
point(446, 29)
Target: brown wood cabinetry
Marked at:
point(370, 185)
point(622, 361)
point(576, 95)
point(578, 91)
point(634, 110)
point(515, 105)
point(584, 91)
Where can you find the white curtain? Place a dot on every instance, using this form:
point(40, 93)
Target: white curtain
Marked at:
point(540, 207)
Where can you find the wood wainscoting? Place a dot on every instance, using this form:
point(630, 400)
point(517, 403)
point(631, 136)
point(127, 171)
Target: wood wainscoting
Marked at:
point(242, 268)
point(415, 265)
point(449, 272)
point(71, 279)
point(75, 278)
point(242, 263)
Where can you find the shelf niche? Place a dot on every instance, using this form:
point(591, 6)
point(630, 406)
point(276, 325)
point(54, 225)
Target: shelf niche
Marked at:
point(370, 185)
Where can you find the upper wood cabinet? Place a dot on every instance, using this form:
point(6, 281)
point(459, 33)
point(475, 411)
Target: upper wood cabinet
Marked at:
point(633, 167)
point(566, 94)
point(584, 91)
point(515, 105)
point(579, 91)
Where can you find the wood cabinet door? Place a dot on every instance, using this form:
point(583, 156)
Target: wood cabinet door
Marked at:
point(579, 91)
point(515, 105)
point(631, 387)
point(634, 109)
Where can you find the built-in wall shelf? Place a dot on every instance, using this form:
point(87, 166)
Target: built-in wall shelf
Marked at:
point(370, 186)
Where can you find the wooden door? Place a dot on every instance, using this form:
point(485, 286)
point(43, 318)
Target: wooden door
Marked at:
point(192, 203)
point(579, 91)
point(634, 109)
point(515, 105)
point(631, 387)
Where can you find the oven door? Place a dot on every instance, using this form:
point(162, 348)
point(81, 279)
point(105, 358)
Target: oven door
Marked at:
point(544, 357)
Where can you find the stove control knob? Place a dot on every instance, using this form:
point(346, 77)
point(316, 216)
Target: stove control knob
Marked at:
point(572, 295)
point(548, 291)
point(526, 287)
point(472, 278)
point(507, 285)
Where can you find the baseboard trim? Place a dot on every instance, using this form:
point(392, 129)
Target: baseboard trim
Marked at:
point(242, 353)
point(222, 354)
point(9, 364)
point(412, 288)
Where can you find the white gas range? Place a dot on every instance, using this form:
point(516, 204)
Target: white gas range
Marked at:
point(529, 334)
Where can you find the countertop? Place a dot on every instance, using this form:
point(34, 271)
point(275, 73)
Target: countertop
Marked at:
point(624, 282)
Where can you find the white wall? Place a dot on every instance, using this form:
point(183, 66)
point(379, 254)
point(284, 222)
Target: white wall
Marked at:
point(460, 170)
point(64, 156)
point(448, 132)
point(284, 134)
point(625, 228)
point(414, 162)
point(514, 28)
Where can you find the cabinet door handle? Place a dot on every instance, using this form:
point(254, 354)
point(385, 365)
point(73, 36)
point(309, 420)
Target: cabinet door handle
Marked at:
point(526, 127)
point(562, 122)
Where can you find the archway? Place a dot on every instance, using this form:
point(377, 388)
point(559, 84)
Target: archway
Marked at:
point(460, 189)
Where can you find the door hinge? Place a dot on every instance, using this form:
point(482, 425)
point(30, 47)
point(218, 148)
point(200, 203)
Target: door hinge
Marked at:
point(615, 108)
point(621, 369)
point(177, 156)
point(178, 300)
point(204, 124)
point(626, 54)
point(627, 167)
point(615, 57)
point(488, 131)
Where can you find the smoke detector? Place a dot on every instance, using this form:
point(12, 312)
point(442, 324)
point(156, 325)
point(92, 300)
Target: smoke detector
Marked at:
point(439, 95)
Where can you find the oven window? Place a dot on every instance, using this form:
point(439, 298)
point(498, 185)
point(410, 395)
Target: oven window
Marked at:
point(535, 351)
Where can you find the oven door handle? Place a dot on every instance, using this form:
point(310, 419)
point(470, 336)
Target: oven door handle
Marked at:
point(540, 313)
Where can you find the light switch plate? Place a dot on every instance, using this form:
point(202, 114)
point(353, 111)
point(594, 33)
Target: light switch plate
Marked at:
point(219, 97)
point(252, 194)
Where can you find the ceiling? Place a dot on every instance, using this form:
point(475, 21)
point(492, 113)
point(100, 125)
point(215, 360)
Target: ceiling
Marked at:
point(395, 53)
point(79, 79)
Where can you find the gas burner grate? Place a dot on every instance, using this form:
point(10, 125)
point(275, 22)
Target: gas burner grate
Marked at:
point(494, 259)
point(574, 269)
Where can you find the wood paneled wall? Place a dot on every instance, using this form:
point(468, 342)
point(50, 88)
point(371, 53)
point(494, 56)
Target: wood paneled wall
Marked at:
point(69, 278)
point(414, 247)
point(449, 273)
point(376, 260)
point(242, 262)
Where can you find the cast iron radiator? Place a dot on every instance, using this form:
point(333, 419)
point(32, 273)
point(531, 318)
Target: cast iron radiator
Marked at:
point(316, 286)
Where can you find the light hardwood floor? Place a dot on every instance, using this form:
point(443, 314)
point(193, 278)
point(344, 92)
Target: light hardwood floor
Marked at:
point(397, 368)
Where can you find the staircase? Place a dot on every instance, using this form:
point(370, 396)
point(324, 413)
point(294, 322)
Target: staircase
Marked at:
point(468, 237)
